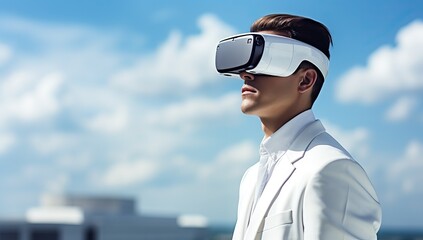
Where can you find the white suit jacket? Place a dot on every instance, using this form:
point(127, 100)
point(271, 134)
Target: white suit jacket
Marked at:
point(316, 191)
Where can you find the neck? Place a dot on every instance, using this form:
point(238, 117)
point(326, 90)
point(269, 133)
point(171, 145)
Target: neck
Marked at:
point(271, 124)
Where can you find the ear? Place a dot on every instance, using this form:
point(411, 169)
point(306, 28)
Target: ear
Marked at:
point(308, 80)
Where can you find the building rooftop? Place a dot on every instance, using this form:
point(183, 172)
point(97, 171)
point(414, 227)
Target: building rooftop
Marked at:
point(93, 205)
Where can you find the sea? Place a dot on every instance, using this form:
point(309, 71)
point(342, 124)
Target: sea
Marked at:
point(225, 233)
point(401, 235)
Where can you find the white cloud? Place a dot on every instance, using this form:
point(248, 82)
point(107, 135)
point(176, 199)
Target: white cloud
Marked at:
point(198, 110)
point(130, 172)
point(57, 184)
point(78, 161)
point(60, 92)
point(402, 109)
point(356, 141)
point(47, 143)
point(179, 64)
point(109, 122)
point(164, 14)
point(242, 153)
point(389, 71)
point(5, 53)
point(204, 183)
point(231, 162)
point(406, 171)
point(29, 97)
point(65, 68)
point(51, 35)
point(7, 140)
point(81, 53)
point(234, 160)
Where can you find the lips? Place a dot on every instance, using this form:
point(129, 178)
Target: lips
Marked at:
point(246, 89)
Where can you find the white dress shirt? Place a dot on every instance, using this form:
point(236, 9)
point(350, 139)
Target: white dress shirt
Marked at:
point(274, 147)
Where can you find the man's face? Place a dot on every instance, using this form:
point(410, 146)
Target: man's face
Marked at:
point(269, 96)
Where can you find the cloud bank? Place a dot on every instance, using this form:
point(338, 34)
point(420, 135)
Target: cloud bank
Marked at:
point(90, 118)
point(390, 71)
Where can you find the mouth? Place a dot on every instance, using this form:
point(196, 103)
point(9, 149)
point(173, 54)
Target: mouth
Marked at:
point(246, 89)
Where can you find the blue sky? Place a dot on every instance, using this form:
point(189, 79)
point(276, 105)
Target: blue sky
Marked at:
point(121, 98)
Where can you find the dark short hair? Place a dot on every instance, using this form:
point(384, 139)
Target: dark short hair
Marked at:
point(303, 29)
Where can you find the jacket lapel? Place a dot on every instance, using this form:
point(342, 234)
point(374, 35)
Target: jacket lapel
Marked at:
point(283, 170)
point(246, 202)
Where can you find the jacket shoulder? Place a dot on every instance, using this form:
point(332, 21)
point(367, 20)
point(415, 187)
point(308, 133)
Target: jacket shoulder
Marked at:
point(326, 157)
point(324, 149)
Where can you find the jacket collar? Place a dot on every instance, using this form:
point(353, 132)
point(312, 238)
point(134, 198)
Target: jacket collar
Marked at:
point(278, 143)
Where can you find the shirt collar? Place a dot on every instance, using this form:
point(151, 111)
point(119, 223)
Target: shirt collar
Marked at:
point(277, 144)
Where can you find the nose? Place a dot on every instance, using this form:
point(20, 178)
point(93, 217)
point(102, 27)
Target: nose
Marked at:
point(246, 76)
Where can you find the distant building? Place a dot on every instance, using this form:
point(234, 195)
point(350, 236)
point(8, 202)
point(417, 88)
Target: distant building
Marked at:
point(99, 218)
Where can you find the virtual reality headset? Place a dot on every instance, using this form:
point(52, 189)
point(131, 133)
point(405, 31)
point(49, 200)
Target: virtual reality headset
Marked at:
point(267, 54)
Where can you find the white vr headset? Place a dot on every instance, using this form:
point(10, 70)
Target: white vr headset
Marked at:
point(268, 54)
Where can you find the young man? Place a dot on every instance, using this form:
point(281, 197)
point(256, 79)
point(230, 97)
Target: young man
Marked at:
point(306, 185)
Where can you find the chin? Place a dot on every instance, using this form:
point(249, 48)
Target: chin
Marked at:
point(247, 110)
point(243, 110)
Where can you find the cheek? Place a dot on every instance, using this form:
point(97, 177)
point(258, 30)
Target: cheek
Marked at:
point(280, 90)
